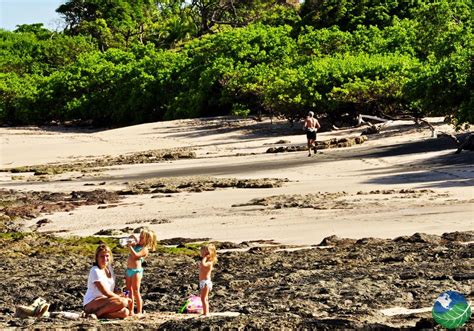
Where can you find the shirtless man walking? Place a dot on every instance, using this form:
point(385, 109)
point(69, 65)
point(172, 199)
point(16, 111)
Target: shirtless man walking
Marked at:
point(311, 125)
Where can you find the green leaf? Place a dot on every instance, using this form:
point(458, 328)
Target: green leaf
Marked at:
point(455, 317)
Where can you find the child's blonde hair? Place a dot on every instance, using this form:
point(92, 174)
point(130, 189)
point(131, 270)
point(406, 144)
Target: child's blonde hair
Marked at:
point(211, 248)
point(149, 238)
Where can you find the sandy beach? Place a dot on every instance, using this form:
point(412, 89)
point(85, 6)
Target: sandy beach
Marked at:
point(347, 238)
point(402, 157)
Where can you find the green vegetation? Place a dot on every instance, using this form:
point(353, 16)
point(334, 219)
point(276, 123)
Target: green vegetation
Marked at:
point(187, 249)
point(27, 244)
point(34, 244)
point(120, 62)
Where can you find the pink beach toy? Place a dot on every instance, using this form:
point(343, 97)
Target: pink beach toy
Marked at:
point(192, 306)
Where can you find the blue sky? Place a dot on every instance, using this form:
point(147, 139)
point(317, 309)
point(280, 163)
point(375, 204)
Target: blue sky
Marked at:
point(15, 12)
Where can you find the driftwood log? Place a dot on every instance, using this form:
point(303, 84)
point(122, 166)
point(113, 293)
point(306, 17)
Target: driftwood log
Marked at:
point(372, 129)
point(362, 119)
point(467, 144)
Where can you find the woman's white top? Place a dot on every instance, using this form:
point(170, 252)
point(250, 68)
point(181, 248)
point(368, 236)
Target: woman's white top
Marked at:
point(98, 275)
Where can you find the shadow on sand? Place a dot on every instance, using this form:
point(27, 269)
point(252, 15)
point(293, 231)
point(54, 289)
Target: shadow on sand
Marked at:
point(440, 170)
point(57, 129)
point(216, 126)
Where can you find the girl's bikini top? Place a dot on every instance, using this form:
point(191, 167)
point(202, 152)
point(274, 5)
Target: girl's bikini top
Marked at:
point(138, 249)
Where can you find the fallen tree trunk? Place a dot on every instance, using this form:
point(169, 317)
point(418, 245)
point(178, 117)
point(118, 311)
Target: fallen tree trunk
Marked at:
point(468, 144)
point(434, 132)
point(376, 118)
point(372, 129)
point(360, 121)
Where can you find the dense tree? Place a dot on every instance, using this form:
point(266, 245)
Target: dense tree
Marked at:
point(114, 23)
point(17, 94)
point(33, 49)
point(443, 27)
point(115, 86)
point(213, 59)
point(173, 24)
point(37, 29)
point(120, 62)
point(235, 13)
point(445, 88)
point(349, 14)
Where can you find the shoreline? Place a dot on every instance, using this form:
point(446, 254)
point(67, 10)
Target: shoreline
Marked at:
point(393, 161)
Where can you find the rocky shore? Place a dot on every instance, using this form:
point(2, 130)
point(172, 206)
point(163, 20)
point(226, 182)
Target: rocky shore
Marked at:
point(340, 283)
point(17, 206)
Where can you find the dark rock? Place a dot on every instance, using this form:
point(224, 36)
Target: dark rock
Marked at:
point(336, 241)
point(459, 236)
point(109, 232)
point(180, 240)
point(421, 238)
point(43, 221)
point(425, 323)
point(463, 276)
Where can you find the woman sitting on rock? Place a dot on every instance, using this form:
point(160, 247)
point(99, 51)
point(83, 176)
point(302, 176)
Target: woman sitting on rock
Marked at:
point(100, 298)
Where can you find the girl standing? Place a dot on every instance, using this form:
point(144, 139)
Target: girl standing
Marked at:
point(134, 273)
point(208, 259)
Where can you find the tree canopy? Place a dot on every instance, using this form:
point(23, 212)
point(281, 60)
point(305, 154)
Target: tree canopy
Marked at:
point(120, 62)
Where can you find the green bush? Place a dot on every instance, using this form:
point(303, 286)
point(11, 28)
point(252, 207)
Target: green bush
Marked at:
point(334, 57)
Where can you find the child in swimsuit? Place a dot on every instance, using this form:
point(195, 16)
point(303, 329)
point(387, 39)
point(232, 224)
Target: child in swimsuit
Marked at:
point(208, 259)
point(134, 273)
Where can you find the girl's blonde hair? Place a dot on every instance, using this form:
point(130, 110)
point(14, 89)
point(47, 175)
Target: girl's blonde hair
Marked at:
point(149, 239)
point(211, 248)
point(103, 248)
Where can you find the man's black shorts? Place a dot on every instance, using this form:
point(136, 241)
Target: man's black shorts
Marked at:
point(311, 135)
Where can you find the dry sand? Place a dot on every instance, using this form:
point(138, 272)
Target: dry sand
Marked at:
point(402, 157)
